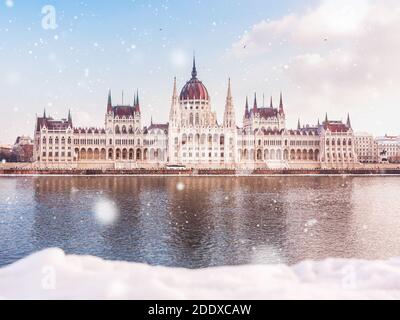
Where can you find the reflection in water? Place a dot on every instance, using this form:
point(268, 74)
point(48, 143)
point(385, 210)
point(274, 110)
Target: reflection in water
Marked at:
point(201, 221)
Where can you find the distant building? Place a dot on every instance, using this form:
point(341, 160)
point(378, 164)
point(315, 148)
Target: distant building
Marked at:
point(5, 152)
point(194, 138)
point(366, 147)
point(388, 148)
point(22, 150)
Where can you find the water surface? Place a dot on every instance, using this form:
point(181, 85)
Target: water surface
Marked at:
point(213, 221)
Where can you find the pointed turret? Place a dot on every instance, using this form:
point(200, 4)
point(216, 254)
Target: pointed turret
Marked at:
point(44, 113)
point(109, 103)
point(348, 121)
point(298, 124)
point(255, 107)
point(281, 109)
point(175, 91)
point(137, 107)
point(271, 105)
point(229, 94)
point(229, 114)
point(246, 109)
point(318, 124)
point(174, 114)
point(69, 117)
point(326, 118)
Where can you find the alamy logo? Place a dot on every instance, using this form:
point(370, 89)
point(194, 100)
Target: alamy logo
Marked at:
point(49, 21)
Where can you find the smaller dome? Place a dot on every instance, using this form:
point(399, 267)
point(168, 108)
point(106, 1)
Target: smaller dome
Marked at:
point(194, 89)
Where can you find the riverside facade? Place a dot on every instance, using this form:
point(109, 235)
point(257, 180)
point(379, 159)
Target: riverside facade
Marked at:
point(193, 137)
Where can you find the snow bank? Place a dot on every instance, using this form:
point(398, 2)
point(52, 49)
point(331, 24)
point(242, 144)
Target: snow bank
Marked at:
point(51, 274)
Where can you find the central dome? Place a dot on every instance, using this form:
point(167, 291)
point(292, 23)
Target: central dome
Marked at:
point(194, 89)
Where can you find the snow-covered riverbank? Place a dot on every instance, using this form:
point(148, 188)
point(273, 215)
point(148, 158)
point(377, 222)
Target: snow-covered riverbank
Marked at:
point(51, 274)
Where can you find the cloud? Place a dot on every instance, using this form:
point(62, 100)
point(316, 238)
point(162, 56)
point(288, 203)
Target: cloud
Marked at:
point(341, 55)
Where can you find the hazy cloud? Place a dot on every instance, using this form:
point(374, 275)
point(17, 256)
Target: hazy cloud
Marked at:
point(343, 55)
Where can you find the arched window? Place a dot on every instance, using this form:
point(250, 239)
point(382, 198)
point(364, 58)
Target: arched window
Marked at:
point(124, 130)
point(117, 131)
point(197, 119)
point(191, 119)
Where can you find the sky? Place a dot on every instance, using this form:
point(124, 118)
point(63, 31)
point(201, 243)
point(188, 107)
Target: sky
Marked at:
point(334, 56)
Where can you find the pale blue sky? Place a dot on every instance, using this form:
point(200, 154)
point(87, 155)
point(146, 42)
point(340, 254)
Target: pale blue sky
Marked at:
point(128, 45)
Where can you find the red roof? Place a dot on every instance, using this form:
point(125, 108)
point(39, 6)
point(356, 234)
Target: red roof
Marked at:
point(266, 112)
point(52, 124)
point(194, 90)
point(335, 126)
point(123, 111)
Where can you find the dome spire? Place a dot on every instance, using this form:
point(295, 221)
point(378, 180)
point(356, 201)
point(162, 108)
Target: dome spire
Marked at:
point(194, 70)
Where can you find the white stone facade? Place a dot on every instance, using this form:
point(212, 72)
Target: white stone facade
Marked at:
point(193, 138)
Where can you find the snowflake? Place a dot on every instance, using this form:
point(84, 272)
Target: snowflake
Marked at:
point(180, 186)
point(10, 3)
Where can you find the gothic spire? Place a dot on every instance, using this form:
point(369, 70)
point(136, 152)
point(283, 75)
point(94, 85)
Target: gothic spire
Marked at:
point(298, 124)
point(281, 110)
point(348, 120)
point(255, 107)
point(44, 113)
point(326, 118)
point(271, 105)
point(175, 92)
point(229, 95)
point(69, 116)
point(229, 114)
point(194, 70)
point(247, 107)
point(109, 103)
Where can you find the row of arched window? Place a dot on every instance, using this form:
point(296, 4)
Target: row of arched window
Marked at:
point(338, 142)
point(123, 130)
point(202, 139)
point(57, 140)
